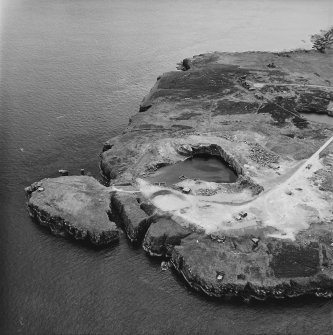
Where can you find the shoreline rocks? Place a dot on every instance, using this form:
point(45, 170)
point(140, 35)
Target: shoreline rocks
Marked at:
point(134, 219)
point(74, 206)
point(239, 267)
point(162, 236)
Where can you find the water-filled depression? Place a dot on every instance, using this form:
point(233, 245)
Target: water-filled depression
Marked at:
point(202, 167)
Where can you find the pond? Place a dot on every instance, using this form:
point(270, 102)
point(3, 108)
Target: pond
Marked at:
point(203, 167)
point(321, 118)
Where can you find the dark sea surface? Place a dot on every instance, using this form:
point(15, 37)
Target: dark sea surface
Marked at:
point(72, 73)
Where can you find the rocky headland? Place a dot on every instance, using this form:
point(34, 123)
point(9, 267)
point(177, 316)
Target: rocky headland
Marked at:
point(75, 206)
point(267, 234)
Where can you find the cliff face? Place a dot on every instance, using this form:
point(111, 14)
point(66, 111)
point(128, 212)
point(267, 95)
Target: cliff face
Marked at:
point(269, 234)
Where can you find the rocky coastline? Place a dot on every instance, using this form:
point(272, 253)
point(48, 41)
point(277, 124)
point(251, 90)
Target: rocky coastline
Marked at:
point(267, 235)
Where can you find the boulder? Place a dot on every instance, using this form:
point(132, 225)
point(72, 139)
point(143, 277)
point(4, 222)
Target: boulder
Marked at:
point(133, 218)
point(163, 234)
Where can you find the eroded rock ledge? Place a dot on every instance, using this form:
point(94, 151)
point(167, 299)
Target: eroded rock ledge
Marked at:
point(163, 235)
point(75, 206)
point(270, 233)
point(255, 268)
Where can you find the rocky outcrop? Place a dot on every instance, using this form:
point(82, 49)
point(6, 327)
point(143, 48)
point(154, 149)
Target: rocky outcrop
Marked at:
point(162, 235)
point(75, 206)
point(185, 64)
point(132, 217)
point(250, 267)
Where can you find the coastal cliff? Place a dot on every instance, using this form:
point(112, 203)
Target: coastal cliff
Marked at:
point(270, 232)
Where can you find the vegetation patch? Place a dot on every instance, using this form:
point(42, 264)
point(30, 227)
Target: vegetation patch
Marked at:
point(323, 40)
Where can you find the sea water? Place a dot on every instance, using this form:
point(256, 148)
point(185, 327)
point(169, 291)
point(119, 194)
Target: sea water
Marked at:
point(72, 73)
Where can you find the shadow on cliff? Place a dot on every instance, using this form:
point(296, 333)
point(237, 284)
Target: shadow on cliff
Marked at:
point(295, 302)
point(86, 244)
